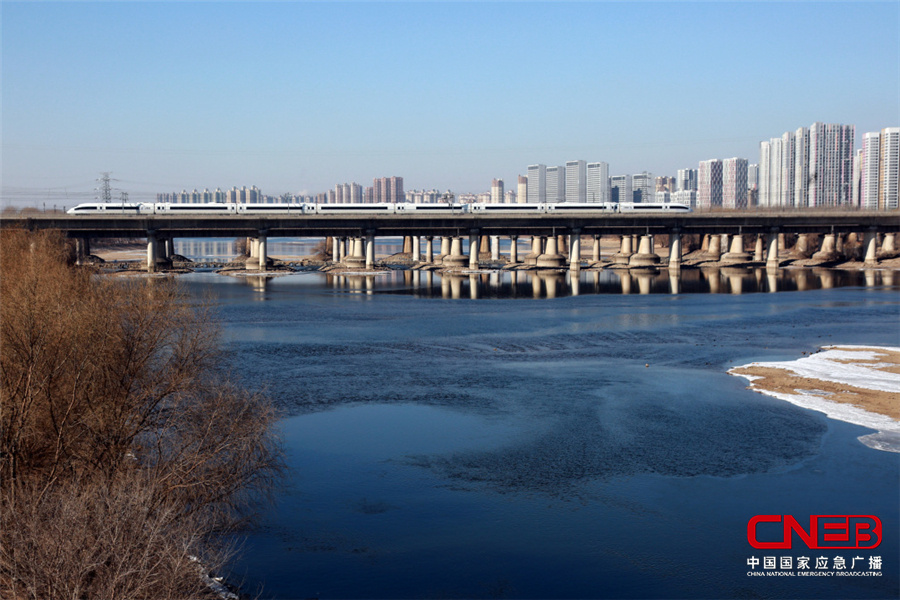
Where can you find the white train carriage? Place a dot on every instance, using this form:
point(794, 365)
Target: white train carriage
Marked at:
point(112, 208)
point(502, 208)
point(430, 208)
point(581, 207)
point(653, 207)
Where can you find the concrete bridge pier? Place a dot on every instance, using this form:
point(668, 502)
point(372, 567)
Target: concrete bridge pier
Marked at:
point(551, 258)
point(513, 249)
point(82, 249)
point(537, 248)
point(429, 249)
point(888, 244)
point(714, 251)
point(370, 250)
point(262, 249)
point(828, 251)
point(645, 256)
point(736, 253)
point(335, 250)
point(625, 251)
point(342, 249)
point(759, 249)
point(355, 258)
point(407, 244)
point(170, 247)
point(595, 254)
point(416, 249)
point(151, 251)
point(155, 249)
point(801, 248)
point(562, 245)
point(474, 248)
point(772, 243)
point(575, 250)
point(870, 244)
point(455, 257)
point(675, 250)
point(495, 247)
point(446, 245)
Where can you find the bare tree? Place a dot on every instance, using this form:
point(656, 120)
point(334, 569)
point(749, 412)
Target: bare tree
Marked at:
point(119, 431)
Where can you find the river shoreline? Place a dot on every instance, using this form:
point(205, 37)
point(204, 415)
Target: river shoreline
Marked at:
point(855, 384)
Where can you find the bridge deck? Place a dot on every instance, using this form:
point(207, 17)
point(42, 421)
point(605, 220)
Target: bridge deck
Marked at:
point(806, 221)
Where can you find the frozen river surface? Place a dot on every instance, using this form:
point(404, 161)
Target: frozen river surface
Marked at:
point(576, 447)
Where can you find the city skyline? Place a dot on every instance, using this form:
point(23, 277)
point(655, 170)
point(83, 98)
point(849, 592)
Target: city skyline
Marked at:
point(296, 97)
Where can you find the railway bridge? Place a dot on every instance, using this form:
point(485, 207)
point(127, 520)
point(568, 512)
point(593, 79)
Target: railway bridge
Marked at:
point(553, 236)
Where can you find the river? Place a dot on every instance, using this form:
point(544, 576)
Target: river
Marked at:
point(513, 443)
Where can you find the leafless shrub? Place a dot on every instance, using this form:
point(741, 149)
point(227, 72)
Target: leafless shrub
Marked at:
point(119, 434)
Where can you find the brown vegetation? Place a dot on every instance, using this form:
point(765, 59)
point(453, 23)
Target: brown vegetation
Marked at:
point(124, 451)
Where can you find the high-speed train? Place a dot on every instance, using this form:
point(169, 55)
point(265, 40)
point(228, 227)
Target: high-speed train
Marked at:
point(229, 208)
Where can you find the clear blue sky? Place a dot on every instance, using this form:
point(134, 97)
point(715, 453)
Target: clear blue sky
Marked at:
point(297, 96)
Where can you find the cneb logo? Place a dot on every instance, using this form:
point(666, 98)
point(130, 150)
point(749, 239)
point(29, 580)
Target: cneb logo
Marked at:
point(833, 532)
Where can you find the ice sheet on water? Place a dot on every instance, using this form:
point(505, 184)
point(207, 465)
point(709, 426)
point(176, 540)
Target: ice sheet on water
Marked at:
point(826, 366)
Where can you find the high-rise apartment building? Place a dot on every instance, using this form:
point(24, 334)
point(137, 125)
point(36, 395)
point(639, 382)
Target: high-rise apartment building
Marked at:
point(537, 184)
point(597, 182)
point(243, 195)
point(801, 167)
point(665, 184)
point(686, 179)
point(734, 183)
point(709, 184)
point(809, 167)
point(388, 189)
point(620, 188)
point(522, 192)
point(770, 172)
point(889, 168)
point(576, 181)
point(643, 187)
point(880, 169)
point(556, 184)
point(497, 191)
point(765, 160)
point(752, 177)
point(786, 194)
point(830, 164)
point(510, 197)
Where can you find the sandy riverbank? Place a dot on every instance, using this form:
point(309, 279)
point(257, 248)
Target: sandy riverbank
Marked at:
point(856, 384)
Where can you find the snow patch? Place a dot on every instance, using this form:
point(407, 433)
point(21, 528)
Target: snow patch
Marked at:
point(824, 366)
